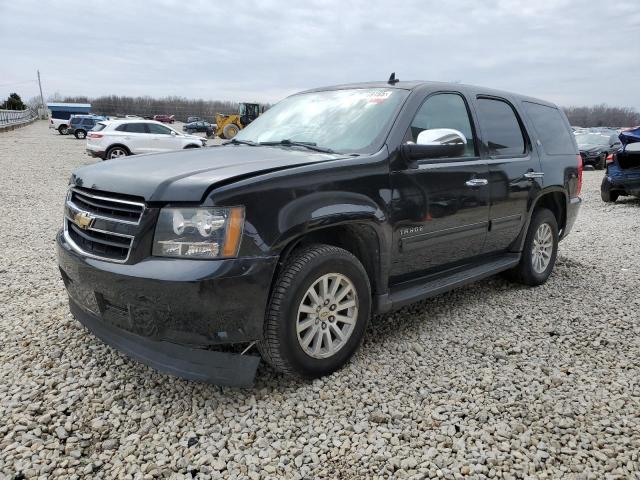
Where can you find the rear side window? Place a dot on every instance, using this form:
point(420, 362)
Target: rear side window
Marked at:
point(500, 127)
point(133, 128)
point(75, 121)
point(99, 126)
point(551, 128)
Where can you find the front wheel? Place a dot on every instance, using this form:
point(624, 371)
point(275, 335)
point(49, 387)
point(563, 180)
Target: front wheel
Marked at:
point(540, 250)
point(80, 134)
point(230, 130)
point(318, 312)
point(602, 162)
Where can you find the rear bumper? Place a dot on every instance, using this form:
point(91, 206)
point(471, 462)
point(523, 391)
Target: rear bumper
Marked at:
point(96, 153)
point(573, 208)
point(616, 181)
point(168, 313)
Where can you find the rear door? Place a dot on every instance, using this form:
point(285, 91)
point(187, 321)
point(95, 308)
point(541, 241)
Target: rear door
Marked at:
point(440, 208)
point(515, 173)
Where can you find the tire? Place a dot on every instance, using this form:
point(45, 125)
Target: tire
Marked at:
point(530, 271)
point(116, 152)
point(605, 192)
point(80, 134)
point(63, 130)
point(230, 131)
point(602, 163)
point(283, 344)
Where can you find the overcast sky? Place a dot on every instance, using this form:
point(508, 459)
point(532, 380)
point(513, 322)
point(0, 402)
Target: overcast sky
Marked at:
point(572, 52)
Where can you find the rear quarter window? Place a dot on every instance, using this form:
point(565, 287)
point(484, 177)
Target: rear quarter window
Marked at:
point(551, 129)
point(99, 126)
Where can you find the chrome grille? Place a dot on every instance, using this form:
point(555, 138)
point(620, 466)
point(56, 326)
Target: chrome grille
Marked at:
point(100, 225)
point(101, 206)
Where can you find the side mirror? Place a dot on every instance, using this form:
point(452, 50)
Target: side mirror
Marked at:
point(435, 143)
point(173, 133)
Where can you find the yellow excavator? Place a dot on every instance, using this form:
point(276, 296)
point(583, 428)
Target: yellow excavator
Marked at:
point(228, 126)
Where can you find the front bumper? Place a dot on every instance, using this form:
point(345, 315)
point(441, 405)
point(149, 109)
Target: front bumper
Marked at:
point(168, 313)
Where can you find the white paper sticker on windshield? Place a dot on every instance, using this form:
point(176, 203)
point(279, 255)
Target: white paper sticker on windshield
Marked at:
point(378, 96)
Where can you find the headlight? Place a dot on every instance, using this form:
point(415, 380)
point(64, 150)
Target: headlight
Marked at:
point(198, 232)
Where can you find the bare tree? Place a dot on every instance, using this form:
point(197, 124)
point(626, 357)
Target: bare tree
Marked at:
point(602, 116)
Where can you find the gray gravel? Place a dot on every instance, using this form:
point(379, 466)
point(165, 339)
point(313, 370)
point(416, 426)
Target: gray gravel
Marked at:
point(489, 381)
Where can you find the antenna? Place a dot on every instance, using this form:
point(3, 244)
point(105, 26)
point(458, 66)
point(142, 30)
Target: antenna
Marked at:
point(392, 79)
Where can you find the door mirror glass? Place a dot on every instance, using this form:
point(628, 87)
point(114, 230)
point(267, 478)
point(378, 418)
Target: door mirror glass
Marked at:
point(173, 133)
point(441, 136)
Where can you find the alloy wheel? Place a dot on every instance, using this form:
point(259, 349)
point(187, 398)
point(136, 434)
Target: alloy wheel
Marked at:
point(327, 315)
point(542, 248)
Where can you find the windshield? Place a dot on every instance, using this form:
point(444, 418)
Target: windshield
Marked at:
point(591, 139)
point(353, 120)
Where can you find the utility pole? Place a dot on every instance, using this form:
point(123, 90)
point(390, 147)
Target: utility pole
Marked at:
point(41, 97)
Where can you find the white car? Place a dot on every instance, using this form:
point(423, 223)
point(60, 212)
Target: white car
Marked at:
point(119, 138)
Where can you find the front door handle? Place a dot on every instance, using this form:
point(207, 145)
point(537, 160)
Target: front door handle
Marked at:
point(476, 182)
point(532, 175)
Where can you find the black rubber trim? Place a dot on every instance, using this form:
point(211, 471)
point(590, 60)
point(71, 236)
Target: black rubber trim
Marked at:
point(219, 368)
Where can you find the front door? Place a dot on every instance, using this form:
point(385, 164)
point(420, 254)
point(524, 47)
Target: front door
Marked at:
point(160, 138)
point(515, 173)
point(440, 208)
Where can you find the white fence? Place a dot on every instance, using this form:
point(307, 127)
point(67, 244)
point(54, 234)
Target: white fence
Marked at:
point(15, 117)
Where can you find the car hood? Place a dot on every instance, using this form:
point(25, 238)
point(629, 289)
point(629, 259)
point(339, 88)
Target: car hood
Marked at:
point(186, 175)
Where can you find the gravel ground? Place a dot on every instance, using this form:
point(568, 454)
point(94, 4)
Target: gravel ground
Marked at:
point(493, 380)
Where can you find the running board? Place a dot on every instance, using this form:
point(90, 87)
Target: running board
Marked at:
point(421, 289)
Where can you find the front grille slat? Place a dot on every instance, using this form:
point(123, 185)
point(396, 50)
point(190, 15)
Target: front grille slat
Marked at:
point(118, 214)
point(112, 208)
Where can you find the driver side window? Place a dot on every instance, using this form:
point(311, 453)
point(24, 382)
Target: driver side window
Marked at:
point(444, 110)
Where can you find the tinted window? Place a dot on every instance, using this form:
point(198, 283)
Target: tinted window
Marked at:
point(87, 122)
point(444, 110)
point(75, 121)
point(132, 128)
point(500, 127)
point(551, 128)
point(158, 129)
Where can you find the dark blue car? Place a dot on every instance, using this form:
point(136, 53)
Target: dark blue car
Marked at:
point(79, 125)
point(623, 168)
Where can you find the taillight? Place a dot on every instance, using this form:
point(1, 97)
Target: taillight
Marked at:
point(610, 158)
point(95, 135)
point(580, 168)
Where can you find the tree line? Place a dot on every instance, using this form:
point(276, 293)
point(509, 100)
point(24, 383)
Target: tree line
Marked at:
point(115, 105)
point(602, 116)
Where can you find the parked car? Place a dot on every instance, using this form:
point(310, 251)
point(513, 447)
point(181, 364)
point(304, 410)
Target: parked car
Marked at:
point(119, 138)
point(595, 147)
point(623, 168)
point(335, 204)
point(79, 125)
point(164, 118)
point(194, 119)
point(199, 127)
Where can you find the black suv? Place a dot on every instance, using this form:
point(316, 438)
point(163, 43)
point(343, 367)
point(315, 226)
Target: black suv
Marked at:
point(336, 204)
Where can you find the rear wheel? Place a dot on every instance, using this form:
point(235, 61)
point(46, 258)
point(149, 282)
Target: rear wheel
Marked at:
point(230, 130)
point(318, 312)
point(539, 252)
point(80, 134)
point(116, 152)
point(605, 192)
point(63, 130)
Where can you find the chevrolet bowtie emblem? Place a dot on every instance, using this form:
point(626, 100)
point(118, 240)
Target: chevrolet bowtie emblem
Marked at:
point(83, 220)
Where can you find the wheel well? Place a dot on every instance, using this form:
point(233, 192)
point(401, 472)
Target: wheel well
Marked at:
point(360, 240)
point(191, 145)
point(556, 202)
point(118, 145)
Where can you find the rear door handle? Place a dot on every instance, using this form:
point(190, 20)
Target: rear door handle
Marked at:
point(476, 182)
point(532, 175)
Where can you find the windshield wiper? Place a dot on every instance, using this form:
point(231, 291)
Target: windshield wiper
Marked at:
point(292, 143)
point(235, 141)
